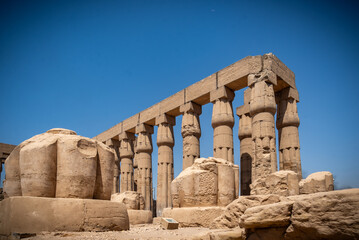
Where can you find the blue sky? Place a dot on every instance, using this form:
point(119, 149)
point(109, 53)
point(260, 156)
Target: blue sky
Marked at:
point(87, 65)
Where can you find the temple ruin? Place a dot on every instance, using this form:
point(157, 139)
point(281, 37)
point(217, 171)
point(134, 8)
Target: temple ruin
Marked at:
point(270, 89)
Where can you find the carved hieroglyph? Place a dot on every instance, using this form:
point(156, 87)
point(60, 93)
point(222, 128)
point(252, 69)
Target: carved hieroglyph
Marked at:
point(144, 163)
point(60, 164)
point(245, 137)
point(191, 132)
point(126, 156)
point(222, 123)
point(165, 142)
point(262, 110)
point(287, 125)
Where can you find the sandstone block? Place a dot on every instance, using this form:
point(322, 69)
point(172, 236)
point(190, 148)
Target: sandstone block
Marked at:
point(60, 163)
point(283, 183)
point(36, 214)
point(169, 223)
point(233, 212)
point(132, 200)
point(317, 182)
point(270, 215)
point(139, 216)
point(193, 216)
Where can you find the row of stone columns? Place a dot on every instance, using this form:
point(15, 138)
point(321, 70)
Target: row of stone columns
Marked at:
point(256, 134)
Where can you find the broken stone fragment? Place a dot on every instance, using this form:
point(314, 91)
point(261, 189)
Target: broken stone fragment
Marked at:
point(317, 182)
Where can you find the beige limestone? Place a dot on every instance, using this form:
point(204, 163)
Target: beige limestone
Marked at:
point(262, 110)
point(236, 180)
point(132, 200)
point(246, 148)
point(139, 216)
point(59, 163)
point(165, 142)
point(222, 123)
point(114, 145)
point(193, 216)
point(126, 156)
point(230, 218)
point(208, 182)
point(317, 182)
point(283, 183)
point(144, 162)
point(37, 214)
point(191, 132)
point(287, 125)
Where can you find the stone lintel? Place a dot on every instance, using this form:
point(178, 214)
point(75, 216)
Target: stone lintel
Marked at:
point(191, 107)
point(244, 109)
point(265, 75)
point(144, 128)
point(289, 92)
point(222, 92)
point(164, 118)
point(247, 96)
point(126, 135)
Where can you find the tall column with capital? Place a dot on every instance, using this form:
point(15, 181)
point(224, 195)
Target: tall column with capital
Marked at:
point(245, 138)
point(165, 143)
point(288, 135)
point(222, 123)
point(116, 171)
point(144, 162)
point(191, 132)
point(126, 156)
point(262, 109)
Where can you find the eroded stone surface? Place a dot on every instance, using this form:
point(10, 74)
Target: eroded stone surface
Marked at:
point(317, 182)
point(60, 163)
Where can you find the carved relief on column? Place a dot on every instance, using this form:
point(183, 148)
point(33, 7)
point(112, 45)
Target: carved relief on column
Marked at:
point(287, 125)
point(165, 143)
point(222, 123)
point(144, 162)
point(135, 165)
point(262, 110)
point(245, 138)
point(126, 156)
point(191, 132)
point(116, 172)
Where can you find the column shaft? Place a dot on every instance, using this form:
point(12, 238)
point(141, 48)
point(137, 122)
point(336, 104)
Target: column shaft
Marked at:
point(144, 161)
point(222, 123)
point(262, 110)
point(126, 156)
point(288, 135)
point(116, 168)
point(165, 142)
point(191, 132)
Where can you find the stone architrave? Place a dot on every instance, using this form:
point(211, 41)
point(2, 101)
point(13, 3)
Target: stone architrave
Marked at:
point(116, 168)
point(191, 132)
point(288, 135)
point(126, 156)
point(245, 138)
point(165, 143)
point(222, 123)
point(144, 162)
point(262, 109)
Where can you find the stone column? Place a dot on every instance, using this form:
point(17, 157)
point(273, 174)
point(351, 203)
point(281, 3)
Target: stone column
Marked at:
point(116, 171)
point(135, 165)
point(245, 138)
point(191, 132)
point(126, 156)
point(144, 162)
point(262, 109)
point(287, 125)
point(165, 143)
point(222, 123)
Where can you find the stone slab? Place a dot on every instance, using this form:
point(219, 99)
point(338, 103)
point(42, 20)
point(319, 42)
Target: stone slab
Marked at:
point(169, 223)
point(139, 216)
point(36, 214)
point(193, 216)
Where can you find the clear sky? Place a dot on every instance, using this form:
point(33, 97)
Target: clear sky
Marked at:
point(87, 65)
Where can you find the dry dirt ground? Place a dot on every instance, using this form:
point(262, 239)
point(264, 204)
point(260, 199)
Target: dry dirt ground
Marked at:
point(145, 231)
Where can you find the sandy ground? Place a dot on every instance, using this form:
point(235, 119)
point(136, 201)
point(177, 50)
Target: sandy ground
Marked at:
point(145, 231)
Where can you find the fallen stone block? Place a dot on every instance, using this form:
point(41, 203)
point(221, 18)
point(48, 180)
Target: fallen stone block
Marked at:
point(169, 223)
point(317, 182)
